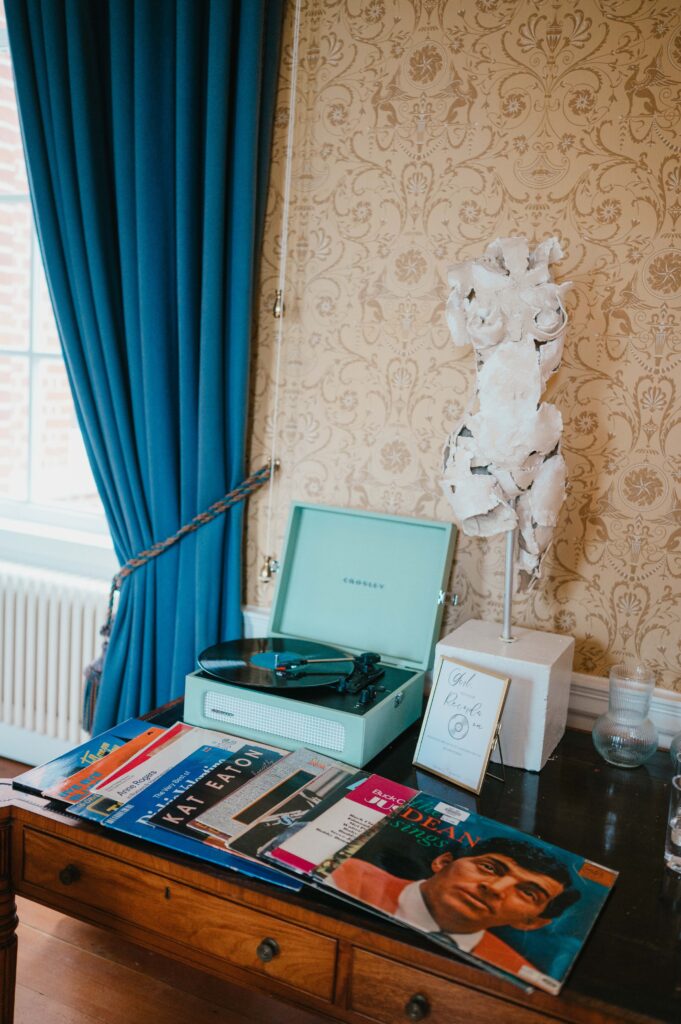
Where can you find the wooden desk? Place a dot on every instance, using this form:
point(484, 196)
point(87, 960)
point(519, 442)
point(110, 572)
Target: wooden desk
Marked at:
point(311, 950)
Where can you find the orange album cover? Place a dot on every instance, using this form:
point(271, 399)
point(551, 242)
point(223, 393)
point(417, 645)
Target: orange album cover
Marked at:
point(77, 786)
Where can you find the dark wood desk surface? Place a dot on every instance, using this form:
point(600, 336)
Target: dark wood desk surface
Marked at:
point(630, 967)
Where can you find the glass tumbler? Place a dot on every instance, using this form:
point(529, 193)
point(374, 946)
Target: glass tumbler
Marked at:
point(624, 735)
point(672, 843)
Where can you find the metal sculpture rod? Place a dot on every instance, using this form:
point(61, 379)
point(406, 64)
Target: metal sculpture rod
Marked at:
point(507, 635)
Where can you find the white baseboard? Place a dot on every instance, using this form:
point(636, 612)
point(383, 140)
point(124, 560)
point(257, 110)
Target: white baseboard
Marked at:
point(588, 694)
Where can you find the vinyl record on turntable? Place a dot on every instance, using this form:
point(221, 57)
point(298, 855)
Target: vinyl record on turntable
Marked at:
point(275, 663)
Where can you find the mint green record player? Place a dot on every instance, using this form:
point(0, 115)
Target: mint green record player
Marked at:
point(354, 580)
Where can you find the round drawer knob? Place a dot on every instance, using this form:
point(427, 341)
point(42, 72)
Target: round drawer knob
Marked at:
point(69, 874)
point(267, 950)
point(417, 1008)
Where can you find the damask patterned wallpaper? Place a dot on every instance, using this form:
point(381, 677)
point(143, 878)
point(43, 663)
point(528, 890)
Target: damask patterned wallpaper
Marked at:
point(424, 129)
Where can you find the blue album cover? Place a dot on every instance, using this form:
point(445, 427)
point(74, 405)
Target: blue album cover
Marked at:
point(132, 819)
point(37, 780)
point(483, 890)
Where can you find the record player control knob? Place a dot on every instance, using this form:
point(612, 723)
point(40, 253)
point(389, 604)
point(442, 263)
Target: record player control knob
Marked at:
point(367, 695)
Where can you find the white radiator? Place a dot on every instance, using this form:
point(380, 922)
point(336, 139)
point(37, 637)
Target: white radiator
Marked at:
point(49, 631)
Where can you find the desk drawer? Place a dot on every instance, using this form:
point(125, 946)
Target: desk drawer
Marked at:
point(199, 920)
point(389, 992)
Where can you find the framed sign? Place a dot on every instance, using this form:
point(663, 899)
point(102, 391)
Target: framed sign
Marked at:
point(461, 722)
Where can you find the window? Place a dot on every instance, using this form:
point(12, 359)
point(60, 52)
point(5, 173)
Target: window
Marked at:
point(45, 477)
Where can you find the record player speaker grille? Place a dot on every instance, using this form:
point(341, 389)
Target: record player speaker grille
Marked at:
point(291, 725)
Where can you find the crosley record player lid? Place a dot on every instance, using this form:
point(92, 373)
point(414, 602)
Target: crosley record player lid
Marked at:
point(363, 581)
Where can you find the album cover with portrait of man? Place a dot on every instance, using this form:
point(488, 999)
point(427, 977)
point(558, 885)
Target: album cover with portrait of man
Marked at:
point(488, 892)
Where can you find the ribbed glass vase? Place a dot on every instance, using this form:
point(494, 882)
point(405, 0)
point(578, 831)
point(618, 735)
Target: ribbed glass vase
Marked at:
point(624, 735)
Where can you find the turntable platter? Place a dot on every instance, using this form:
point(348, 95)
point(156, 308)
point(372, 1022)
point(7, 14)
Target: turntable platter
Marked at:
point(276, 663)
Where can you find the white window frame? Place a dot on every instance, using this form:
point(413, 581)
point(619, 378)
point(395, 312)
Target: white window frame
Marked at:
point(40, 535)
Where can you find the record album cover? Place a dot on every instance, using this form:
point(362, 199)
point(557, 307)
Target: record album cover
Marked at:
point(79, 785)
point(487, 892)
point(272, 800)
point(132, 819)
point(221, 782)
point(363, 801)
point(44, 776)
point(178, 742)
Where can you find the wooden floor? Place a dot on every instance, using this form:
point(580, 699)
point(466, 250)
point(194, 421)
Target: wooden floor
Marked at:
point(73, 973)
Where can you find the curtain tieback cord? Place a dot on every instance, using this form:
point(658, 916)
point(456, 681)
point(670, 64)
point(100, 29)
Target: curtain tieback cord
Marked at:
point(93, 672)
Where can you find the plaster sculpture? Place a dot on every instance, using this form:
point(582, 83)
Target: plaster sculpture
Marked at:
point(503, 468)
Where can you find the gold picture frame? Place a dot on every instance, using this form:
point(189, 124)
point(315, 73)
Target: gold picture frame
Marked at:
point(461, 722)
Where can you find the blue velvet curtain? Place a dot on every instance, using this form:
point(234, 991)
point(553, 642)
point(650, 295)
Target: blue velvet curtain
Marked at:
point(147, 129)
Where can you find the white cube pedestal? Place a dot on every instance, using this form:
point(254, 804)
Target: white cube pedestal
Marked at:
point(539, 666)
